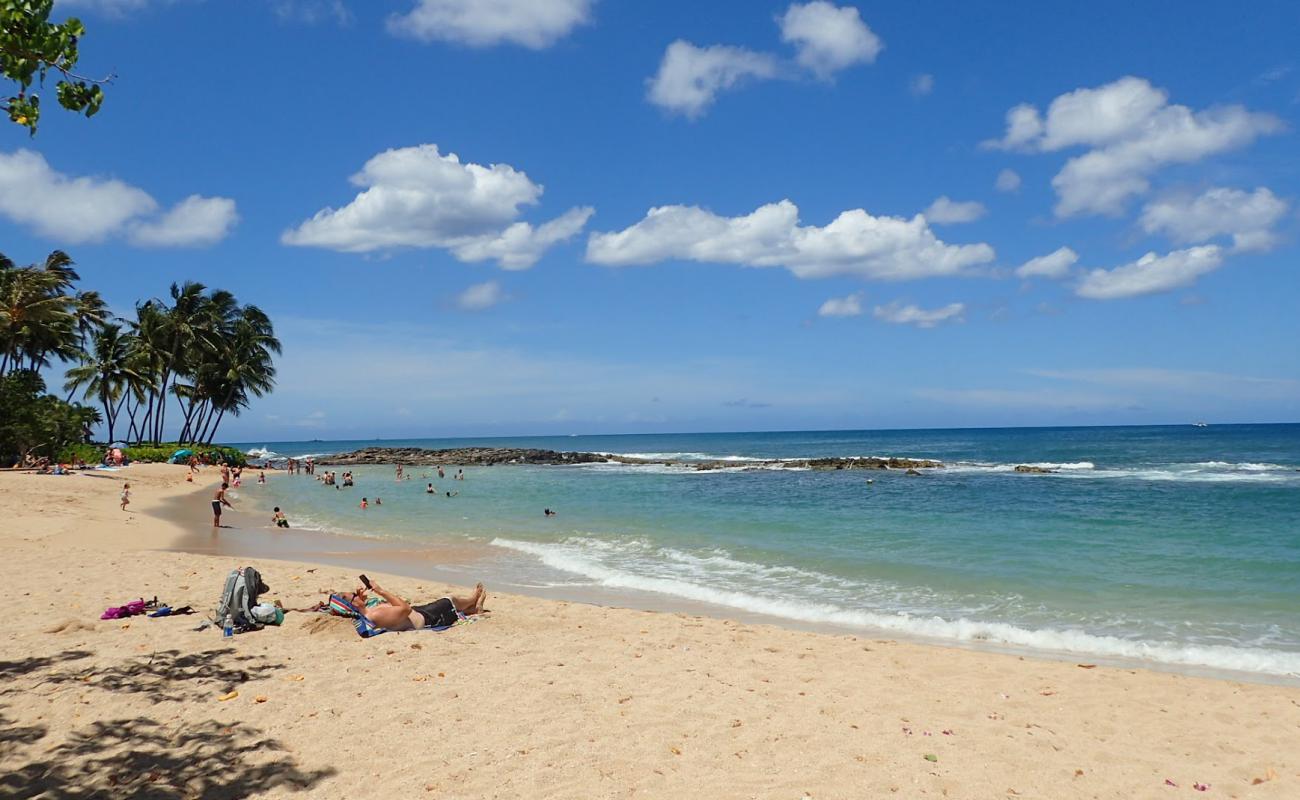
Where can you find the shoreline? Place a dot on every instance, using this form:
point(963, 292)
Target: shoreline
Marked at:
point(457, 562)
point(575, 699)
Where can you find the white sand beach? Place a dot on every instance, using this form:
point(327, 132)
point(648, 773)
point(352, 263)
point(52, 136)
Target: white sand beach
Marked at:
point(544, 699)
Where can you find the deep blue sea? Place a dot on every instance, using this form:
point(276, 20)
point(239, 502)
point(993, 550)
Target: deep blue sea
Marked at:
point(1172, 544)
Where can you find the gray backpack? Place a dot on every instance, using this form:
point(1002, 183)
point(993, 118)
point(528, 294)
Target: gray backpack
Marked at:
point(243, 585)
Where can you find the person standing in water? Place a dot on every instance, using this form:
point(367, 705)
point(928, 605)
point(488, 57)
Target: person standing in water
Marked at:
point(218, 500)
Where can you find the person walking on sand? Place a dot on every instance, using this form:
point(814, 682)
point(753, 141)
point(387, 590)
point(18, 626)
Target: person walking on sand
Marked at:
point(219, 500)
point(126, 495)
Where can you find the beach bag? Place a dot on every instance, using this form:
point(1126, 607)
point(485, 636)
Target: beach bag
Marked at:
point(242, 587)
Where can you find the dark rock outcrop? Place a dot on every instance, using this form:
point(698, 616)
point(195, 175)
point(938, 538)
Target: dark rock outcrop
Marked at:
point(867, 463)
point(490, 456)
point(476, 456)
point(1034, 470)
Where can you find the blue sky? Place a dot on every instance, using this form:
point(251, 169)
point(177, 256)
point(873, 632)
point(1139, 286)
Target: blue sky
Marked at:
point(698, 216)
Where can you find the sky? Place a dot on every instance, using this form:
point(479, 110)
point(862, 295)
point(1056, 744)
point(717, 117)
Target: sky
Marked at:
point(511, 217)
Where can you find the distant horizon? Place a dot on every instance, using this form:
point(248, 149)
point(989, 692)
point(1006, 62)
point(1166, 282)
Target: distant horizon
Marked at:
point(232, 443)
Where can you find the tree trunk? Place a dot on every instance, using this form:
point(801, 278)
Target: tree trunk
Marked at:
point(216, 425)
point(130, 415)
point(108, 413)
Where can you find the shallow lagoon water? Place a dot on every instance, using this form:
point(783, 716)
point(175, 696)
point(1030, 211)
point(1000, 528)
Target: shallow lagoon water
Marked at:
point(1177, 545)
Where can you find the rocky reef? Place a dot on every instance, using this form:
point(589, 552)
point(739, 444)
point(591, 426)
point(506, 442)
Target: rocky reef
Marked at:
point(463, 456)
point(492, 456)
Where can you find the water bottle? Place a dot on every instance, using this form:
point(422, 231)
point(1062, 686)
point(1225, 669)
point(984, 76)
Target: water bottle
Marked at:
point(229, 628)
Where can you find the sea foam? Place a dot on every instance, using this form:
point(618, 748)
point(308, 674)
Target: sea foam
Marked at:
point(705, 580)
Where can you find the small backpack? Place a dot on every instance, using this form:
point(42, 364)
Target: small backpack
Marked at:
point(243, 585)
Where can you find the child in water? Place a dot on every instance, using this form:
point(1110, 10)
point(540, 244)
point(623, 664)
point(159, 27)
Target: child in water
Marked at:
point(279, 519)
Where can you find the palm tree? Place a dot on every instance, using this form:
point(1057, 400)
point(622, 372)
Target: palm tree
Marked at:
point(89, 313)
point(148, 341)
point(105, 371)
point(36, 318)
point(245, 366)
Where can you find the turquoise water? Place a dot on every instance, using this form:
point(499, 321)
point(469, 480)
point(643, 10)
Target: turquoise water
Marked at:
point(1175, 544)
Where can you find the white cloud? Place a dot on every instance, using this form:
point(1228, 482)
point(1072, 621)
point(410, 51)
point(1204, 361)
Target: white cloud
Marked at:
point(828, 39)
point(1248, 217)
point(60, 207)
point(418, 197)
point(690, 77)
point(311, 12)
point(480, 296)
point(921, 85)
point(195, 221)
point(1055, 264)
point(1131, 131)
point(1151, 274)
point(944, 211)
point(91, 209)
point(850, 306)
point(913, 315)
point(112, 8)
point(854, 243)
point(1008, 180)
point(521, 245)
point(535, 24)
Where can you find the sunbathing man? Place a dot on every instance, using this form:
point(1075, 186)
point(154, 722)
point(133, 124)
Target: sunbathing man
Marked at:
point(399, 615)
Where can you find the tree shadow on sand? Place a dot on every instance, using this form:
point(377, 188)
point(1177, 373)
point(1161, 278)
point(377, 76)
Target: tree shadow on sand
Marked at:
point(173, 675)
point(141, 758)
point(13, 734)
point(26, 666)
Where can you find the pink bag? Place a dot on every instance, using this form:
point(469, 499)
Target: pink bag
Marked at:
point(129, 610)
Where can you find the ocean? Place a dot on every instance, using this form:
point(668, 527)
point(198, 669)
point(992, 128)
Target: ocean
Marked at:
point(1177, 546)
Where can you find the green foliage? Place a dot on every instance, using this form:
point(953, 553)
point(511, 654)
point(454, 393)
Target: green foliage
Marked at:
point(38, 424)
point(153, 453)
point(200, 352)
point(31, 46)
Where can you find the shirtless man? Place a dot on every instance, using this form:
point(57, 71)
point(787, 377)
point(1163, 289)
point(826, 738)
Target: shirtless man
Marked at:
point(399, 615)
point(219, 500)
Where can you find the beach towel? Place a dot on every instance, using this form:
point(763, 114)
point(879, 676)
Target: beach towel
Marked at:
point(340, 607)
